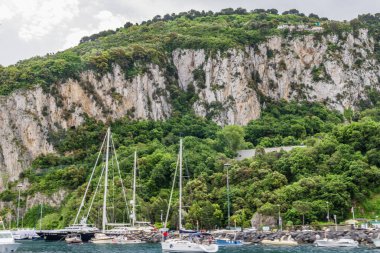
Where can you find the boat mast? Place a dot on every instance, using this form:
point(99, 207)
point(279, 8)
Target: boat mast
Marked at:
point(228, 198)
point(41, 218)
point(106, 182)
point(134, 191)
point(180, 186)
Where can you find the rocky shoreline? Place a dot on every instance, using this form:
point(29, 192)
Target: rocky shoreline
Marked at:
point(364, 237)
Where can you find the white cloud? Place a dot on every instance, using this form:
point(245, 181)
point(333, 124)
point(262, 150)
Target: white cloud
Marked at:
point(108, 20)
point(5, 12)
point(105, 20)
point(39, 17)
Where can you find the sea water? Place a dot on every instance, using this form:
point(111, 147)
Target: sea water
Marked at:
point(62, 247)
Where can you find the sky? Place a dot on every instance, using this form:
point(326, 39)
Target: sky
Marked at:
point(36, 27)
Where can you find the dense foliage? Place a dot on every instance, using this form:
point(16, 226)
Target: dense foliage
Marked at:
point(340, 165)
point(133, 46)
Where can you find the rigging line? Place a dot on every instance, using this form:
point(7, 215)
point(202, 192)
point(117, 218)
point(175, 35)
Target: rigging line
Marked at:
point(89, 182)
point(113, 186)
point(171, 193)
point(96, 191)
point(188, 177)
point(121, 179)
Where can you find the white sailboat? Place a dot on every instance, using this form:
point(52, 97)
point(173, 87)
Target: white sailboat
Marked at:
point(182, 245)
point(227, 240)
point(100, 238)
point(7, 242)
point(121, 230)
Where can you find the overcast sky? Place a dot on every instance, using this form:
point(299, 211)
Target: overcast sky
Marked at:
point(37, 27)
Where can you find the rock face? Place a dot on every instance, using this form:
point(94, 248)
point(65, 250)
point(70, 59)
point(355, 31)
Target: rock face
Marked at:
point(330, 69)
point(230, 87)
point(27, 117)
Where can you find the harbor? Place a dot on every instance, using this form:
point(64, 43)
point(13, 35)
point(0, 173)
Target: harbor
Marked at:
point(41, 247)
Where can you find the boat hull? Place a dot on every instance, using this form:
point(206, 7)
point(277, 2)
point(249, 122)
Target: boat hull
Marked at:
point(61, 235)
point(224, 243)
point(376, 242)
point(335, 244)
point(184, 246)
point(279, 243)
point(9, 247)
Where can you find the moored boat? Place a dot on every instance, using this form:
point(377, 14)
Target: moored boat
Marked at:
point(193, 243)
point(73, 238)
point(101, 238)
point(127, 240)
point(343, 242)
point(179, 245)
point(376, 242)
point(285, 240)
point(7, 242)
point(222, 242)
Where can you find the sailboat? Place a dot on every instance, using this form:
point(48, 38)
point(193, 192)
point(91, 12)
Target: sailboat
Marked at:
point(137, 226)
point(226, 240)
point(180, 244)
point(7, 242)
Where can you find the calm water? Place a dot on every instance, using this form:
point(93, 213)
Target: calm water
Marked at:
point(61, 247)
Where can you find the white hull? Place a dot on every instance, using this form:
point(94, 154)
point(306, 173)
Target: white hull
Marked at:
point(129, 241)
point(376, 242)
point(187, 246)
point(8, 247)
point(279, 242)
point(102, 241)
point(336, 243)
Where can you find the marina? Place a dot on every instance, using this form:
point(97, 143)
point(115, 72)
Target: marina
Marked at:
point(62, 247)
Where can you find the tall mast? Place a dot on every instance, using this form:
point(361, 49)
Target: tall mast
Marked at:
point(106, 182)
point(134, 191)
point(41, 218)
point(228, 198)
point(180, 186)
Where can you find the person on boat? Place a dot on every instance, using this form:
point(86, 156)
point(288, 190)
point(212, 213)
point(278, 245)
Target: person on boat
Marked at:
point(165, 234)
point(210, 239)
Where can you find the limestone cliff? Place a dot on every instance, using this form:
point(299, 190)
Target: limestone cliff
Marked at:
point(26, 117)
point(230, 87)
point(332, 69)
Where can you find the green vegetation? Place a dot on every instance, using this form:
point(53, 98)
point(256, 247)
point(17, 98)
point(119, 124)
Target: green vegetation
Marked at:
point(340, 165)
point(133, 46)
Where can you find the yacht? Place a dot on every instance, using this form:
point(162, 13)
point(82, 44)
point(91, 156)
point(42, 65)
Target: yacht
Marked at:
point(336, 243)
point(376, 242)
point(73, 238)
point(24, 234)
point(285, 240)
point(101, 238)
point(86, 231)
point(7, 242)
point(191, 244)
point(122, 239)
point(228, 240)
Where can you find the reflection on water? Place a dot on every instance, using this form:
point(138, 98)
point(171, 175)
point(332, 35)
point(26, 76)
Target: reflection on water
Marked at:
point(61, 247)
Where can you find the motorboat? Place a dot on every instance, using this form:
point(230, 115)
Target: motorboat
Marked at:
point(101, 238)
point(73, 238)
point(221, 242)
point(86, 232)
point(125, 240)
point(24, 234)
point(343, 242)
point(7, 242)
point(179, 245)
point(193, 243)
point(227, 241)
point(285, 240)
point(376, 242)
